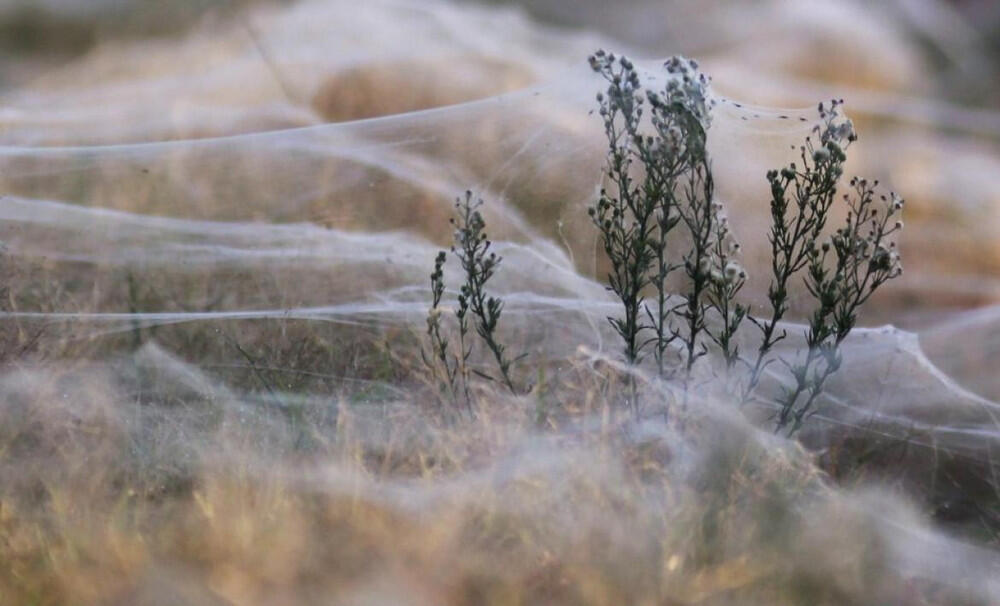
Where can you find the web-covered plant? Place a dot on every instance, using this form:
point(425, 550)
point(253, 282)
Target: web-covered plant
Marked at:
point(659, 199)
point(472, 249)
point(638, 216)
point(841, 271)
point(659, 179)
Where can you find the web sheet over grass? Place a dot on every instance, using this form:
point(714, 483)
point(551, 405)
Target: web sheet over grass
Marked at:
point(217, 280)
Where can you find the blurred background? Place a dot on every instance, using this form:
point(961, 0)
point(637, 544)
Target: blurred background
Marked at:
point(955, 41)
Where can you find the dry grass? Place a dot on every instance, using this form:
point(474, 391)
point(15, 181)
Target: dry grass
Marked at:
point(292, 461)
point(153, 484)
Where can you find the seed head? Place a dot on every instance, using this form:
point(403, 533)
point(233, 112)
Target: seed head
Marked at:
point(733, 271)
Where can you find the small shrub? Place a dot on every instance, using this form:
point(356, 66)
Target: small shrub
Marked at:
point(639, 216)
point(660, 190)
point(660, 178)
point(472, 248)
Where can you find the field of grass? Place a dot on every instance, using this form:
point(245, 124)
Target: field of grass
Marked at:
point(217, 250)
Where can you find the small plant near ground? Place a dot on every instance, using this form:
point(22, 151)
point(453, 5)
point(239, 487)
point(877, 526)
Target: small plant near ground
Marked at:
point(841, 272)
point(638, 216)
point(444, 365)
point(626, 216)
point(472, 248)
point(671, 199)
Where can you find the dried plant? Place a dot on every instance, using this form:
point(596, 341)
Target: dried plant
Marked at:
point(842, 274)
point(472, 248)
point(637, 215)
point(863, 258)
point(660, 187)
point(444, 365)
point(660, 177)
point(626, 215)
point(801, 199)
